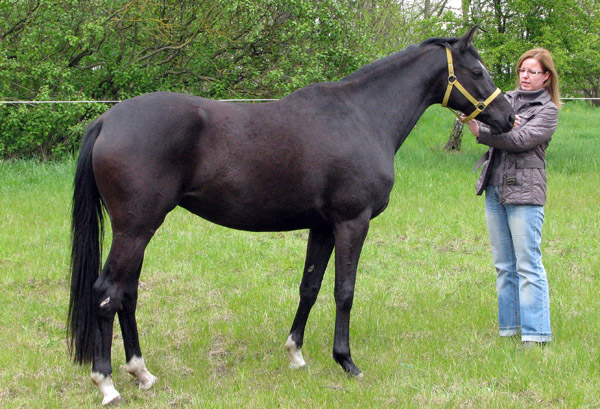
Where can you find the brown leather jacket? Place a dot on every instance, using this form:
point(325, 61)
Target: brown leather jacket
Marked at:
point(522, 151)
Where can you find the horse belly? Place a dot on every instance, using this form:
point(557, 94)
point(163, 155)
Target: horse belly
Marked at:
point(255, 177)
point(264, 214)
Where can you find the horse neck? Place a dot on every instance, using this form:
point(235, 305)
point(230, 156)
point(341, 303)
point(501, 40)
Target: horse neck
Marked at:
point(394, 93)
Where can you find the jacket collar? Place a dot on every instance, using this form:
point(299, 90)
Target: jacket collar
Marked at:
point(542, 99)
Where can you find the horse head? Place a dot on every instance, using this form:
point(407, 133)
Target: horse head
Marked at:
point(469, 88)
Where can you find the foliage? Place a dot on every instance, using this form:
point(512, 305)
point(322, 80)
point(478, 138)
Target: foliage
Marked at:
point(569, 29)
point(116, 49)
point(111, 50)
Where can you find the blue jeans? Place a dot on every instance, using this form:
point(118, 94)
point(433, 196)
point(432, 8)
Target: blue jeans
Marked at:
point(523, 299)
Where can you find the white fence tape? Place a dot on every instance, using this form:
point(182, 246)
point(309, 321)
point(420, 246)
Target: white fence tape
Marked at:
point(222, 100)
point(112, 102)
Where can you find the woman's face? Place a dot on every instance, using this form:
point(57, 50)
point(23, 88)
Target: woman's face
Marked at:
point(532, 75)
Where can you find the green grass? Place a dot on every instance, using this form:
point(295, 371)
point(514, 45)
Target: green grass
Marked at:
point(216, 304)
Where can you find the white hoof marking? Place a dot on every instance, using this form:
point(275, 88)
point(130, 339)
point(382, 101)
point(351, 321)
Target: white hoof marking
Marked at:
point(295, 354)
point(137, 367)
point(105, 384)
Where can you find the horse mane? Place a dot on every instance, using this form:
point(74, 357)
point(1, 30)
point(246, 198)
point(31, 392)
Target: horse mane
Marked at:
point(442, 41)
point(404, 53)
point(374, 66)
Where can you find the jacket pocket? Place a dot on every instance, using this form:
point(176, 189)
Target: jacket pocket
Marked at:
point(530, 112)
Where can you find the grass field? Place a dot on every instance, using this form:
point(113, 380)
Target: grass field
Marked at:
point(216, 305)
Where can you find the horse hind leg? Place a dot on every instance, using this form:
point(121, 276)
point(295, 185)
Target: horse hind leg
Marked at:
point(135, 365)
point(103, 329)
point(319, 249)
point(101, 368)
point(115, 291)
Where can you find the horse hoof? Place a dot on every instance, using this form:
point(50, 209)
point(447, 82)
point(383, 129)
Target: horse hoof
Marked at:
point(111, 400)
point(295, 365)
point(148, 382)
point(354, 373)
point(137, 368)
point(105, 384)
point(295, 354)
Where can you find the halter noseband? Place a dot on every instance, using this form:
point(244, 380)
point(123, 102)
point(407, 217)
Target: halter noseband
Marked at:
point(480, 106)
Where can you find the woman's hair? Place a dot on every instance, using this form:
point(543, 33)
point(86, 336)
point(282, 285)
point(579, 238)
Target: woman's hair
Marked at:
point(545, 59)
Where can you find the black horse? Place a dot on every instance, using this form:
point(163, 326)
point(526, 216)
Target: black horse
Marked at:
point(321, 159)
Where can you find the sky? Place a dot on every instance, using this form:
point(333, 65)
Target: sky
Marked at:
point(455, 4)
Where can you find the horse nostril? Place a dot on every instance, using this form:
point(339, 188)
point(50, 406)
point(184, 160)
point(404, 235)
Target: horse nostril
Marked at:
point(511, 119)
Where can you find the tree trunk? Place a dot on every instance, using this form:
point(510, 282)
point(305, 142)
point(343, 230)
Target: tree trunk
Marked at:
point(455, 138)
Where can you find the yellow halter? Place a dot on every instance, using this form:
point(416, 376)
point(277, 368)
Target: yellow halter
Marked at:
point(453, 81)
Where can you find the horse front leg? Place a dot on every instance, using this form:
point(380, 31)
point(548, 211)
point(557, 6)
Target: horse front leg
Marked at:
point(349, 239)
point(318, 252)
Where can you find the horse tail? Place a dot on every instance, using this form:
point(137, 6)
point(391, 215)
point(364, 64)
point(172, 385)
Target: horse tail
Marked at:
point(87, 232)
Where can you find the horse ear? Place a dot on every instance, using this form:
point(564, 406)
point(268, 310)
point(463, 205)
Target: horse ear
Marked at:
point(464, 43)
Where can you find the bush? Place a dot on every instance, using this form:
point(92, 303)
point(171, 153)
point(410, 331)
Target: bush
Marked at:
point(45, 131)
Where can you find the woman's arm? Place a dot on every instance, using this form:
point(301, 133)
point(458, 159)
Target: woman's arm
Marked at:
point(533, 132)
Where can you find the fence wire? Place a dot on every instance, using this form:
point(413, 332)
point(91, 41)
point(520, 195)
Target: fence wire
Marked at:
point(113, 102)
point(222, 100)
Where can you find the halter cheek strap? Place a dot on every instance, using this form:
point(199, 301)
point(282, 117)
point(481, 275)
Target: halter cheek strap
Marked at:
point(480, 106)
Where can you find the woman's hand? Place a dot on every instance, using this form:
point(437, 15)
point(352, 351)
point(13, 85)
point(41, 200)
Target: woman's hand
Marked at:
point(473, 127)
point(517, 121)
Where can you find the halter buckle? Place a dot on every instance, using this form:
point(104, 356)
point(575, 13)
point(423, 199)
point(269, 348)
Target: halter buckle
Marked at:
point(452, 79)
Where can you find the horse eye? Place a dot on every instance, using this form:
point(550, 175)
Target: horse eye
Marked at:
point(477, 73)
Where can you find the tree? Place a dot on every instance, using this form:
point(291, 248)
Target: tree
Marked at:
point(569, 29)
point(101, 49)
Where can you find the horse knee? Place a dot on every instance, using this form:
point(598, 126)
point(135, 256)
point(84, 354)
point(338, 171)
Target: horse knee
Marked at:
point(309, 291)
point(344, 299)
point(107, 297)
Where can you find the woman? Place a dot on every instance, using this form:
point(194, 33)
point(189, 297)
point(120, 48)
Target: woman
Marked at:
point(514, 179)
